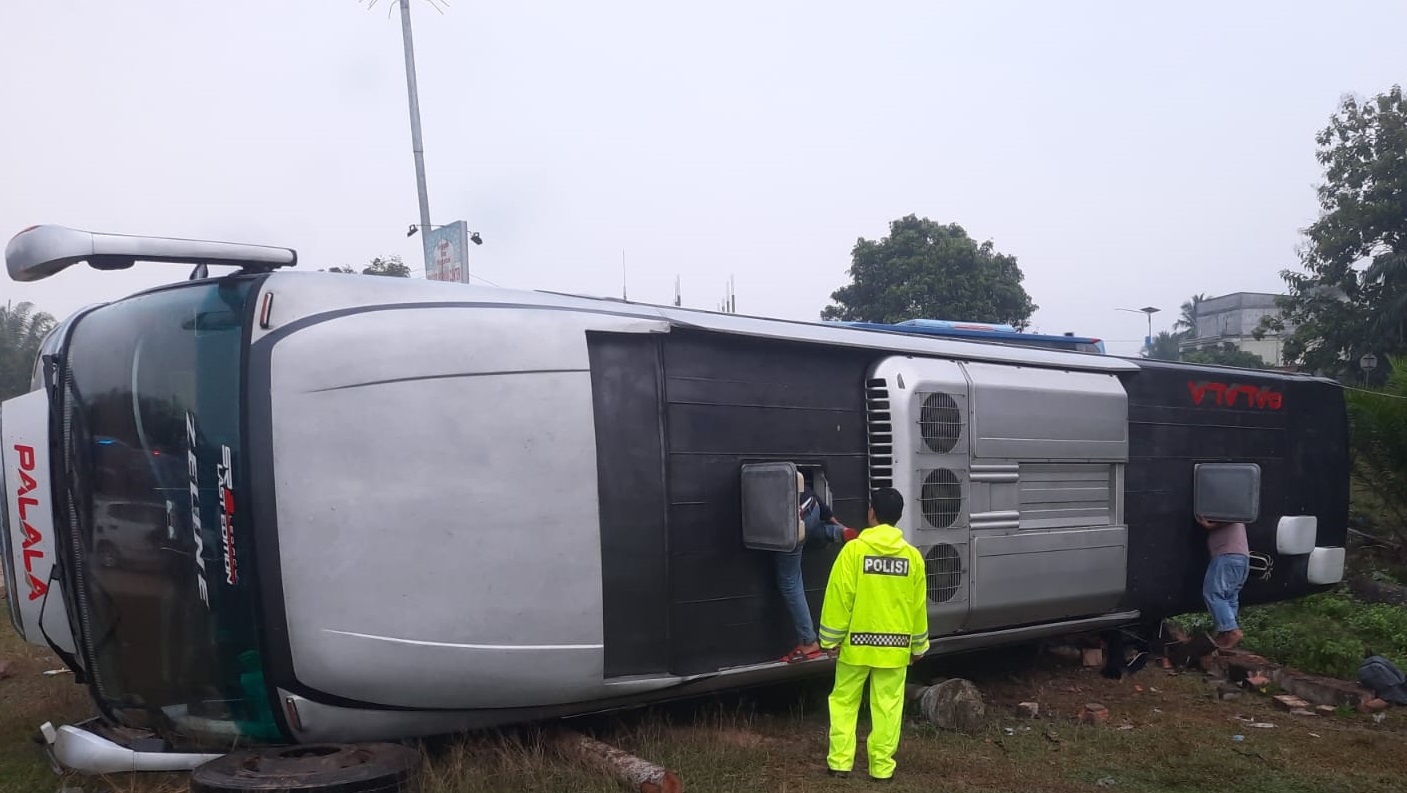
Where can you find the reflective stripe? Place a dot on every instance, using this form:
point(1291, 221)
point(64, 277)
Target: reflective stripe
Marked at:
point(879, 639)
point(825, 631)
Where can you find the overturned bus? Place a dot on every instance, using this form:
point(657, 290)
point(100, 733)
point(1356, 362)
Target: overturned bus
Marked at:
point(282, 507)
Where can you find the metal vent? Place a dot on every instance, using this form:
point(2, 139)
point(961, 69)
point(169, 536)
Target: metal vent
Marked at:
point(944, 568)
point(940, 423)
point(941, 499)
point(880, 429)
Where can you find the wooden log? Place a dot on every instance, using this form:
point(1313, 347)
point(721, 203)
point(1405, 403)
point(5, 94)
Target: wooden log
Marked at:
point(640, 775)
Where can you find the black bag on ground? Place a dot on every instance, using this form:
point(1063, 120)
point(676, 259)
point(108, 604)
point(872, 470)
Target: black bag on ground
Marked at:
point(1386, 681)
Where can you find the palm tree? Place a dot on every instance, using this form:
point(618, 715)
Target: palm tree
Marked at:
point(1186, 325)
point(22, 332)
point(1165, 347)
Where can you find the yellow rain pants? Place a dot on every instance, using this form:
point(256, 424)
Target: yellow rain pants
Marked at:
point(886, 716)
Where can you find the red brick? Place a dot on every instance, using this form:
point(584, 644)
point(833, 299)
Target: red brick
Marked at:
point(1372, 705)
point(1289, 702)
point(1094, 713)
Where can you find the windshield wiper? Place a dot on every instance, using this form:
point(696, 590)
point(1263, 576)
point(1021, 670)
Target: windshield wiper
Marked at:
point(52, 365)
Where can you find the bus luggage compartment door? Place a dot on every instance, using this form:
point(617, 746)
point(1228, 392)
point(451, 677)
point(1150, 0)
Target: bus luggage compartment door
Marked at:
point(1051, 446)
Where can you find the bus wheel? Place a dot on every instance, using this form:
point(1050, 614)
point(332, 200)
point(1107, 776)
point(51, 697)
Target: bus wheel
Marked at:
point(332, 768)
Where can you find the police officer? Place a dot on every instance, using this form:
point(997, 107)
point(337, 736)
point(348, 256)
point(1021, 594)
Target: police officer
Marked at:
point(875, 615)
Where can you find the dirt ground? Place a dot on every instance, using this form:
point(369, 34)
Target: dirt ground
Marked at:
point(1165, 732)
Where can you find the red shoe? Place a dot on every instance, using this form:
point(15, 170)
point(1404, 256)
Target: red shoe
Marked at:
point(847, 534)
point(799, 654)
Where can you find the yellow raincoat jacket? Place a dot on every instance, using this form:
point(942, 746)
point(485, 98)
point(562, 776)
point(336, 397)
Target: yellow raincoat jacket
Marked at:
point(876, 604)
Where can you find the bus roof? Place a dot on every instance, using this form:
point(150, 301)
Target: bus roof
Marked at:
point(970, 330)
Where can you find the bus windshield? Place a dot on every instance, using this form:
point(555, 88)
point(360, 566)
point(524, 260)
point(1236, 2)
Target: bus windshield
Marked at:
point(165, 577)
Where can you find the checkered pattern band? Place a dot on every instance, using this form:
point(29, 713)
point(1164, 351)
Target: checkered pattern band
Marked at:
point(879, 640)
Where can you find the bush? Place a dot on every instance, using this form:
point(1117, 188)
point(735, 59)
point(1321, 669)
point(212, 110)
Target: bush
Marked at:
point(1324, 634)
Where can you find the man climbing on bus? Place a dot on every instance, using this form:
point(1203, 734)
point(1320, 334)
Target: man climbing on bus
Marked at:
point(875, 619)
point(821, 527)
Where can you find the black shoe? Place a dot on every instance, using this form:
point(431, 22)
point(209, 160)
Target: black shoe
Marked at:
point(881, 780)
point(838, 773)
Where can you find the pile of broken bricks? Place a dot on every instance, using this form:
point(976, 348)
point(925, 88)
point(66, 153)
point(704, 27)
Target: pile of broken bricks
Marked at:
point(1304, 694)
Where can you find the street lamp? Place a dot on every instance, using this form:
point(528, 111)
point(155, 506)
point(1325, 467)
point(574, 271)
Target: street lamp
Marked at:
point(473, 235)
point(1150, 311)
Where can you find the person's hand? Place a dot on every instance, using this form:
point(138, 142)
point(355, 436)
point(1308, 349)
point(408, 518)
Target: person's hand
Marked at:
point(1206, 524)
point(832, 652)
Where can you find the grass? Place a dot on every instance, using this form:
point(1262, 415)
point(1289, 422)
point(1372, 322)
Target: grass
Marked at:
point(1324, 634)
point(27, 699)
point(1179, 737)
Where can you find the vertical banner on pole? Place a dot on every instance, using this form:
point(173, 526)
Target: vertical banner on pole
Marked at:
point(447, 253)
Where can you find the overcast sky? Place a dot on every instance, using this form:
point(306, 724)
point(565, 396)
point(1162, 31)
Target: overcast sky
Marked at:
point(1126, 157)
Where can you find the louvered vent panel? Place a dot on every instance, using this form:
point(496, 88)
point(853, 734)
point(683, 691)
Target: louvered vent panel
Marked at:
point(880, 430)
point(1064, 496)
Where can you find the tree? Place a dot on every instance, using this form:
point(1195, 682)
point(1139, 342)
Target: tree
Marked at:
point(1378, 444)
point(1186, 324)
point(1166, 346)
point(391, 266)
point(1351, 297)
point(22, 332)
point(1219, 357)
point(928, 270)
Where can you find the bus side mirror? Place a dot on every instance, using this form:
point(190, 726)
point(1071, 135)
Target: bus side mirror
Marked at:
point(771, 518)
point(41, 251)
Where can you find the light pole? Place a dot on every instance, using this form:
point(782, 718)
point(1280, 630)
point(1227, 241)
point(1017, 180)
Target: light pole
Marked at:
point(416, 144)
point(1149, 311)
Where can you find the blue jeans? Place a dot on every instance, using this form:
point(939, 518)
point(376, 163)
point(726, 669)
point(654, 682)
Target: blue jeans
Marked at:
point(1221, 588)
point(788, 567)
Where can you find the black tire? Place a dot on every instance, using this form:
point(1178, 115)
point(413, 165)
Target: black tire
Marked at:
point(330, 768)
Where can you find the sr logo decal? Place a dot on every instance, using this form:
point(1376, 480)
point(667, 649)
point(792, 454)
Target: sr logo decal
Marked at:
point(225, 474)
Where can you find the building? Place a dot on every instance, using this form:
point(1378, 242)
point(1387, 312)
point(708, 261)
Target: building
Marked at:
point(1229, 321)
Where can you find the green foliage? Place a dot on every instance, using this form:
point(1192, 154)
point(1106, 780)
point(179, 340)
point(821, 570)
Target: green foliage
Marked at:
point(1186, 325)
point(1378, 441)
point(1241, 358)
point(924, 269)
point(1165, 346)
point(1324, 634)
point(1339, 308)
point(22, 332)
point(391, 266)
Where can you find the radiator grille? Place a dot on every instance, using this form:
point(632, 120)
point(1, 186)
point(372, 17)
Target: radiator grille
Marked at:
point(940, 423)
point(943, 565)
point(941, 499)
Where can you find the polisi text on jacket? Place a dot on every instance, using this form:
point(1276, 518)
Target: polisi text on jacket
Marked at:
point(886, 565)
